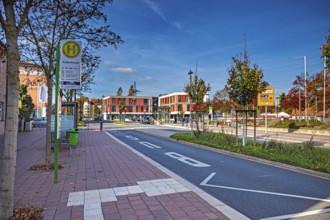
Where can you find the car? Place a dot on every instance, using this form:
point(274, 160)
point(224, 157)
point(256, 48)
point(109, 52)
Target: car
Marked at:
point(146, 120)
point(39, 122)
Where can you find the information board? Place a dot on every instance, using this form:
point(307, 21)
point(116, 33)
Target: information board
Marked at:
point(266, 98)
point(70, 64)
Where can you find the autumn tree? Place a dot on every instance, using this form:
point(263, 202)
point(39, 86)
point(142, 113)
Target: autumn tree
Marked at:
point(81, 102)
point(131, 91)
point(291, 100)
point(26, 105)
point(244, 82)
point(54, 21)
point(196, 91)
point(221, 101)
point(121, 107)
point(326, 51)
point(13, 16)
point(119, 91)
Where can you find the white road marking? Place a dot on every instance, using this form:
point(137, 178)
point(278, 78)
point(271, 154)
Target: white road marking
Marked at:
point(187, 160)
point(150, 145)
point(296, 215)
point(132, 138)
point(205, 183)
point(92, 199)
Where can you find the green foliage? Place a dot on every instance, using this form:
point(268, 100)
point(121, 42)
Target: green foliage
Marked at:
point(120, 123)
point(295, 124)
point(303, 155)
point(326, 50)
point(81, 123)
point(26, 107)
point(131, 91)
point(244, 83)
point(197, 90)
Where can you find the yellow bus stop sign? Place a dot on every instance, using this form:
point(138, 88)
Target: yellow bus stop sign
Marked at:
point(71, 49)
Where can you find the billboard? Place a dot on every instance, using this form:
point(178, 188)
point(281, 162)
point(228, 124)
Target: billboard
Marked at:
point(266, 98)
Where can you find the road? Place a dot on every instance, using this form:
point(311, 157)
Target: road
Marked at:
point(256, 190)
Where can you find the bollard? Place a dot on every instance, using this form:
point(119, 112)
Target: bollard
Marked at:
point(101, 125)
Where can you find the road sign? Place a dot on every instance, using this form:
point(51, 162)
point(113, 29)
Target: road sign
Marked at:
point(266, 98)
point(70, 64)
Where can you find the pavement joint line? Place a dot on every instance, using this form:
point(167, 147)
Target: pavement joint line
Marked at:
point(92, 199)
point(219, 205)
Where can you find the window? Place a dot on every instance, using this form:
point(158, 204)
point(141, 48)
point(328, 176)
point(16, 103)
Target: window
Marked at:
point(180, 107)
point(130, 109)
point(136, 109)
point(145, 101)
point(113, 108)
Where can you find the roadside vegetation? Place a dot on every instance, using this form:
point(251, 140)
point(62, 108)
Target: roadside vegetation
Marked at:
point(302, 155)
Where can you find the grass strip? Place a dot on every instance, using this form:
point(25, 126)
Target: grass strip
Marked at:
point(301, 155)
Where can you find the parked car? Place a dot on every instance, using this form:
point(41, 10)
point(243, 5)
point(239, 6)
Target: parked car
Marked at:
point(39, 122)
point(147, 120)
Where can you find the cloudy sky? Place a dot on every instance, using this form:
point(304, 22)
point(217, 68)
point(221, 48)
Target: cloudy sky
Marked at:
point(164, 39)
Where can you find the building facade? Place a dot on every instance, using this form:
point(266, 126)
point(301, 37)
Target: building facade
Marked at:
point(32, 76)
point(171, 107)
point(138, 106)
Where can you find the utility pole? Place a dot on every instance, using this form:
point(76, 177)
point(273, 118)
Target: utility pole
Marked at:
point(190, 82)
point(324, 72)
point(306, 105)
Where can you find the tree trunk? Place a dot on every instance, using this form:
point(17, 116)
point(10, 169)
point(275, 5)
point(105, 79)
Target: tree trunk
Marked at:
point(8, 160)
point(48, 127)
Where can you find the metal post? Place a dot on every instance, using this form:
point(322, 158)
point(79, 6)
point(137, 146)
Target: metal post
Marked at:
point(305, 89)
point(324, 77)
point(266, 120)
point(236, 129)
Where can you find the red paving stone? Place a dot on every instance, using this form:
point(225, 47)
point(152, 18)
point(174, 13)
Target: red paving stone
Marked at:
point(98, 162)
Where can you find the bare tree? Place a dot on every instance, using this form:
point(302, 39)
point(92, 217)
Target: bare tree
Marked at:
point(13, 16)
point(54, 21)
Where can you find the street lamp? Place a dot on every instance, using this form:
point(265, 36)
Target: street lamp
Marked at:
point(190, 82)
point(324, 77)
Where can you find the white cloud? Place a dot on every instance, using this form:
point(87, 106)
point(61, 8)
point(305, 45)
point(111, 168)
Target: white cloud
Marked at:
point(124, 70)
point(108, 62)
point(148, 78)
point(177, 25)
point(155, 8)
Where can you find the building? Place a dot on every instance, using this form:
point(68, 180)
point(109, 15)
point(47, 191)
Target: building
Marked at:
point(173, 106)
point(33, 76)
point(3, 86)
point(138, 106)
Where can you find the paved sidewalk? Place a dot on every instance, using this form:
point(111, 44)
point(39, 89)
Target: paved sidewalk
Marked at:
point(102, 179)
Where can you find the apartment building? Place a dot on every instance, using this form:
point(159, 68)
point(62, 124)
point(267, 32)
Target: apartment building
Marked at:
point(134, 106)
point(173, 106)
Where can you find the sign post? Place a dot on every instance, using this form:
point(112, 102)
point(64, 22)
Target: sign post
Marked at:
point(68, 76)
point(266, 98)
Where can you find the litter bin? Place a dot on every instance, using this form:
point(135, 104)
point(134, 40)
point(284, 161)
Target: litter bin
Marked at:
point(73, 137)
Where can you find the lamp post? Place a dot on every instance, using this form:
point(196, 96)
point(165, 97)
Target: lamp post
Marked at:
point(190, 82)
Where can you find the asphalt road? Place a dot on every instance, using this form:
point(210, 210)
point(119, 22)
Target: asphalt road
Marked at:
point(256, 190)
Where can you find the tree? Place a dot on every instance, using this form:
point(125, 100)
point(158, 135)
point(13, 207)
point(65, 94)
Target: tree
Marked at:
point(13, 15)
point(291, 100)
point(121, 107)
point(119, 91)
point(81, 102)
point(326, 50)
point(221, 101)
point(26, 105)
point(244, 82)
point(196, 91)
point(131, 91)
point(54, 21)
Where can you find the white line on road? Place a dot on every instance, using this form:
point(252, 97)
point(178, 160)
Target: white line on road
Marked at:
point(187, 160)
point(150, 145)
point(296, 215)
point(205, 183)
point(132, 138)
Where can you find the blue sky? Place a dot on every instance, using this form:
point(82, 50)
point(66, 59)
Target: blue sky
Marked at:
point(164, 39)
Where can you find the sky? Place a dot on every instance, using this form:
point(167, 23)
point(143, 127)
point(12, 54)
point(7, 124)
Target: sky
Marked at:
point(164, 39)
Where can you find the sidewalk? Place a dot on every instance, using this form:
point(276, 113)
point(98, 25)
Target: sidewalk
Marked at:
point(102, 179)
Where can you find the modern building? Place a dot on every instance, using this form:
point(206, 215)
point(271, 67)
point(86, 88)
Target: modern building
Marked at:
point(3, 86)
point(173, 106)
point(137, 106)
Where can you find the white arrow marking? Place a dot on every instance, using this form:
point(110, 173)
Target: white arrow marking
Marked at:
point(150, 145)
point(205, 183)
point(187, 160)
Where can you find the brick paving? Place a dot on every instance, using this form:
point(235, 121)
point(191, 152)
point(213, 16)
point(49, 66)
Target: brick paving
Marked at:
point(98, 163)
